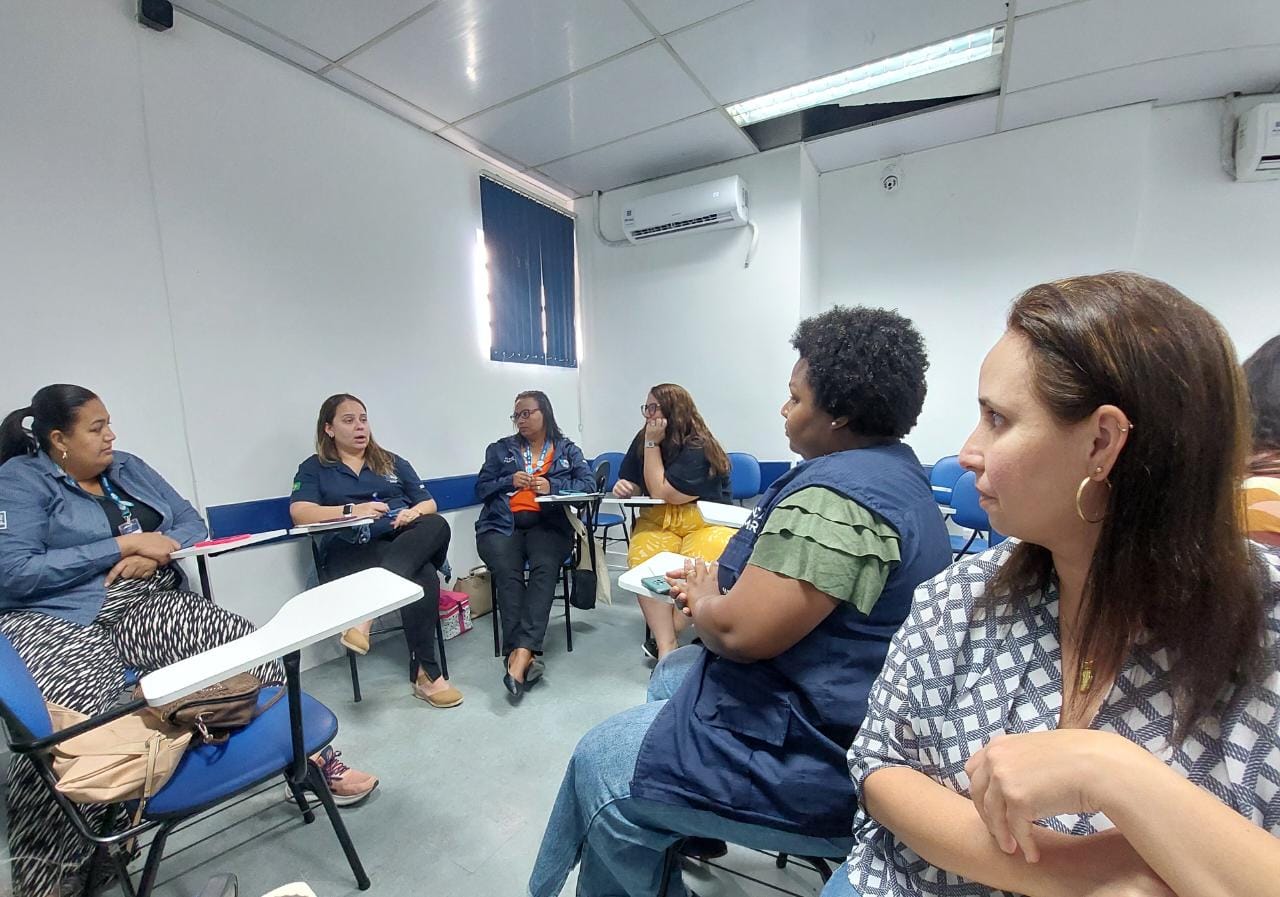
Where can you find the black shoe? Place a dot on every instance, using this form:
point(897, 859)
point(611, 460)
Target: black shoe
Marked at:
point(650, 648)
point(514, 685)
point(704, 848)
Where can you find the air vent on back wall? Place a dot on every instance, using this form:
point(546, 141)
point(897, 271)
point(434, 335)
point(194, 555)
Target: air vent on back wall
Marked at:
point(715, 205)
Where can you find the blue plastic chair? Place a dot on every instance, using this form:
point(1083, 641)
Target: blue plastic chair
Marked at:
point(605, 483)
point(942, 478)
point(744, 476)
point(277, 743)
point(969, 515)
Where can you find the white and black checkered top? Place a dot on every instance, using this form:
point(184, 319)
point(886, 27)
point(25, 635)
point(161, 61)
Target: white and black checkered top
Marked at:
point(960, 672)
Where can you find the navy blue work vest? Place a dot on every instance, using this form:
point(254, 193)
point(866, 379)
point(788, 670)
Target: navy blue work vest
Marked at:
point(764, 743)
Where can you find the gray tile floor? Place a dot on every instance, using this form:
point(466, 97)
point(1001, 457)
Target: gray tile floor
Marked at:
point(465, 792)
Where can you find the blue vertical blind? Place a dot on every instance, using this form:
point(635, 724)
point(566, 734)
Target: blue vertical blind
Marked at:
point(530, 258)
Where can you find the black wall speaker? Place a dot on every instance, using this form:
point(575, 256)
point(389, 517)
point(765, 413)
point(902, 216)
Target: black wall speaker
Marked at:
point(157, 14)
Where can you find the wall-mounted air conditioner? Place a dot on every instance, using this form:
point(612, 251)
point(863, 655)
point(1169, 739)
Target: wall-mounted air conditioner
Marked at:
point(1258, 143)
point(714, 205)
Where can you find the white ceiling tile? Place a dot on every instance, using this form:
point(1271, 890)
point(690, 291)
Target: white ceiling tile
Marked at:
point(252, 32)
point(397, 106)
point(771, 44)
point(1098, 35)
point(633, 93)
point(912, 133)
point(1164, 81)
point(669, 15)
point(680, 146)
point(471, 145)
point(330, 27)
point(551, 183)
point(462, 57)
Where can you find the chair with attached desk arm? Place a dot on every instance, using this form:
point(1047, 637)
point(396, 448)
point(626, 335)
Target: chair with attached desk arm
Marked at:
point(276, 743)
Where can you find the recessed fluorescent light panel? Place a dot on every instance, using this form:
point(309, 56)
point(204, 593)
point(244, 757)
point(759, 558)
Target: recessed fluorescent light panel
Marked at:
point(938, 57)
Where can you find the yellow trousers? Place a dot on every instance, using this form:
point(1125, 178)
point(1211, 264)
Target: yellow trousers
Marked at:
point(678, 528)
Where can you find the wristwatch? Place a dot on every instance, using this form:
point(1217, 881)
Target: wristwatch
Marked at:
point(348, 509)
point(650, 444)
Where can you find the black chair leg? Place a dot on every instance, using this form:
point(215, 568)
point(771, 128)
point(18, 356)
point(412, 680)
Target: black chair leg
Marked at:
point(152, 867)
point(355, 675)
point(568, 624)
point(300, 798)
point(444, 661)
point(493, 614)
point(316, 777)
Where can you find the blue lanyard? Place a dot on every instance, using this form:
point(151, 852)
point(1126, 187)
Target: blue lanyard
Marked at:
point(123, 505)
point(528, 456)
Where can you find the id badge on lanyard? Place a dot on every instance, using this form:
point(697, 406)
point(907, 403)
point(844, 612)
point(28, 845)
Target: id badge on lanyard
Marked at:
point(131, 524)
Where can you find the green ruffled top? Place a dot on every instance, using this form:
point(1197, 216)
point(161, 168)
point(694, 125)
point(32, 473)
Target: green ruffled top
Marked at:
point(831, 542)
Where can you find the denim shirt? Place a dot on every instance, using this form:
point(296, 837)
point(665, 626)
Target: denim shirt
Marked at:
point(56, 545)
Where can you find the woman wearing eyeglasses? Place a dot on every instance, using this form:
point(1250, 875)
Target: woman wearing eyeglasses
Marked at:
point(514, 532)
point(675, 458)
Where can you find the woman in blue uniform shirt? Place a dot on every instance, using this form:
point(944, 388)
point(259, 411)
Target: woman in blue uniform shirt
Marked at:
point(351, 474)
point(744, 737)
point(513, 530)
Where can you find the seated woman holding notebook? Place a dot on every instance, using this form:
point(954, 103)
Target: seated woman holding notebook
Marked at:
point(515, 534)
point(351, 474)
point(674, 458)
point(744, 737)
point(87, 590)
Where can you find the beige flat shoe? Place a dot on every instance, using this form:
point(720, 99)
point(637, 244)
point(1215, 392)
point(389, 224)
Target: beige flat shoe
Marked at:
point(355, 640)
point(450, 697)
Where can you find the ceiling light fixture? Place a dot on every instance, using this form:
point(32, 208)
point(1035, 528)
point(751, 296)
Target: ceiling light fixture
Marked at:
point(937, 57)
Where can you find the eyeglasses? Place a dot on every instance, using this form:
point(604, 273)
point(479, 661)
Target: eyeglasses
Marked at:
point(525, 415)
point(651, 409)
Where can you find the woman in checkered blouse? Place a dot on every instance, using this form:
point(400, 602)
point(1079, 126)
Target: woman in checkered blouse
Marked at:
point(1092, 708)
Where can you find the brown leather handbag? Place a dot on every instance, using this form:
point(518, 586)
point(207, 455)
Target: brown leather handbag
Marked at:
point(217, 710)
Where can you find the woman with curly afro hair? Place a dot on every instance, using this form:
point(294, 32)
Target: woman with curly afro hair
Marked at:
point(744, 736)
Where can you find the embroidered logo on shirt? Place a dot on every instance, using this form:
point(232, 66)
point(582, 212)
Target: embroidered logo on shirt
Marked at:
point(564, 462)
point(392, 478)
point(296, 485)
point(4, 519)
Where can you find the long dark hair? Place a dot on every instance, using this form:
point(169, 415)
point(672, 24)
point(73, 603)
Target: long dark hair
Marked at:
point(1171, 563)
point(379, 459)
point(1262, 373)
point(548, 415)
point(685, 426)
point(53, 407)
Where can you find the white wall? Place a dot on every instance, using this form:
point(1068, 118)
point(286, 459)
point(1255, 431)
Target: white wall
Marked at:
point(215, 241)
point(686, 311)
point(973, 224)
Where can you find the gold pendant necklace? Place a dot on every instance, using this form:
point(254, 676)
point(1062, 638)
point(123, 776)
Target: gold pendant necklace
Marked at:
point(1085, 681)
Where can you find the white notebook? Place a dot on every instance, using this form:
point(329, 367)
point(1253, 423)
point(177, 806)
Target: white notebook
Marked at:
point(658, 565)
point(723, 515)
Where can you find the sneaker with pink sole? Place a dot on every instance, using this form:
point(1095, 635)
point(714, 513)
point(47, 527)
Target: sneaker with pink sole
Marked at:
point(348, 786)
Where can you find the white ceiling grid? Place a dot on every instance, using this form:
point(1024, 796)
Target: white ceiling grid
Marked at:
point(584, 95)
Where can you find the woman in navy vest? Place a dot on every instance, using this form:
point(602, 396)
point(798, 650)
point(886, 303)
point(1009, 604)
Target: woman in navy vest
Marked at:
point(744, 737)
point(514, 533)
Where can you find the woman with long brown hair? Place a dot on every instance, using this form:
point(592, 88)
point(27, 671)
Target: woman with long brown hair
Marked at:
point(1092, 707)
point(350, 474)
point(675, 458)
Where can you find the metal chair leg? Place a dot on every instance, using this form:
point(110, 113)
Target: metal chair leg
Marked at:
point(300, 798)
point(316, 777)
point(152, 867)
point(670, 862)
point(568, 624)
point(355, 675)
point(493, 615)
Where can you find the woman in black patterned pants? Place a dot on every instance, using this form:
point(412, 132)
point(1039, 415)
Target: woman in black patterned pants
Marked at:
point(87, 593)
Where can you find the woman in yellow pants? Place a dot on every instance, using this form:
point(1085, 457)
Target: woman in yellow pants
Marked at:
point(675, 458)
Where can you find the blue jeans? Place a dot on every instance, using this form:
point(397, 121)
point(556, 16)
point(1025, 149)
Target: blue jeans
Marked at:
point(839, 885)
point(619, 841)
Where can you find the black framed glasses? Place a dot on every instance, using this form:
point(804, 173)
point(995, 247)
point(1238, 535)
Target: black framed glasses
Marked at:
point(651, 409)
point(525, 415)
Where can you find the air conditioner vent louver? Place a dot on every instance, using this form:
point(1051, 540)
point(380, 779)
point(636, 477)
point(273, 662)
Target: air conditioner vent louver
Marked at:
point(710, 206)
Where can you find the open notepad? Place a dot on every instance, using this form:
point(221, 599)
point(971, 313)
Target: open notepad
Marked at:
point(658, 565)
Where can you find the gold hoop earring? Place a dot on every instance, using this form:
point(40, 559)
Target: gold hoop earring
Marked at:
point(1080, 494)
